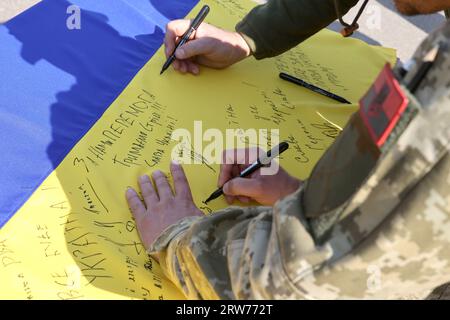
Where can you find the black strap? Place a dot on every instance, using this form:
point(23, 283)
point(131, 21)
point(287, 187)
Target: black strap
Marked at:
point(349, 29)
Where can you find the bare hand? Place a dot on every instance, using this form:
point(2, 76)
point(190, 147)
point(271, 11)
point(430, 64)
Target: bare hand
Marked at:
point(161, 207)
point(210, 46)
point(264, 189)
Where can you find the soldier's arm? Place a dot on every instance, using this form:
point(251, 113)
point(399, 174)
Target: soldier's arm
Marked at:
point(279, 25)
point(233, 253)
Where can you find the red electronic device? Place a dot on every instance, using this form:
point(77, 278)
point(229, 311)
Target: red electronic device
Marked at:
point(383, 105)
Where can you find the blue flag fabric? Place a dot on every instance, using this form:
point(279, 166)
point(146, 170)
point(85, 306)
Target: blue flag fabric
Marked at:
point(57, 80)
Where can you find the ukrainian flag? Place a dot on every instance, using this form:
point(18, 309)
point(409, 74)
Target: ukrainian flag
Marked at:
point(57, 79)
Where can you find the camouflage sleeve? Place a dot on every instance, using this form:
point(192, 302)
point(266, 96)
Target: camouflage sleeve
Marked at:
point(275, 27)
point(201, 255)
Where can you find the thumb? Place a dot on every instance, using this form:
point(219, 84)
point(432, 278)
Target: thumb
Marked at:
point(243, 187)
point(194, 48)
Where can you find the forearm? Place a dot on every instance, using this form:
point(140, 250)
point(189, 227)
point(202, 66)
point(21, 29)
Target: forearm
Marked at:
point(233, 253)
point(200, 255)
point(279, 25)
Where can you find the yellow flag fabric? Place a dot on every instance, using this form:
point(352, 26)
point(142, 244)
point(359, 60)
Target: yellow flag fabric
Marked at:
point(75, 237)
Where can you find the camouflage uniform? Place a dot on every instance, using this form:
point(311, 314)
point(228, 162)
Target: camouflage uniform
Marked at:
point(379, 230)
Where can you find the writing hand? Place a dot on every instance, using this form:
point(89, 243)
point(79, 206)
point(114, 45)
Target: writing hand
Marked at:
point(264, 189)
point(210, 46)
point(161, 206)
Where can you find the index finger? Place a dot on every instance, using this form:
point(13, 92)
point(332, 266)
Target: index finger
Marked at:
point(227, 165)
point(174, 29)
point(234, 160)
point(180, 182)
point(137, 207)
point(225, 174)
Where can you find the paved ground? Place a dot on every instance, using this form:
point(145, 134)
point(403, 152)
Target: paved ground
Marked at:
point(380, 25)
